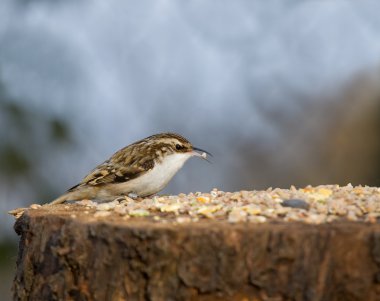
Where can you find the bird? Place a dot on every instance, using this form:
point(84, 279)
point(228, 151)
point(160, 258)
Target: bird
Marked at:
point(140, 169)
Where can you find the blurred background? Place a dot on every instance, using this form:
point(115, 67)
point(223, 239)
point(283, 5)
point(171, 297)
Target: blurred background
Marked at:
point(281, 92)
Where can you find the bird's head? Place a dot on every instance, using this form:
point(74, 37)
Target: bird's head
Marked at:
point(171, 143)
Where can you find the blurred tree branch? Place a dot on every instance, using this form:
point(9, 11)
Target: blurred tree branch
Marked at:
point(27, 136)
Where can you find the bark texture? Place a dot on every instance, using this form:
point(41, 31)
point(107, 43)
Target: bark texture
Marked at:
point(74, 256)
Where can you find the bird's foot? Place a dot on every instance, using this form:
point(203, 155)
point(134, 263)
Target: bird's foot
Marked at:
point(136, 197)
point(124, 198)
point(133, 196)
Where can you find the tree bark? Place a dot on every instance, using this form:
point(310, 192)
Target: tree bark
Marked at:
point(71, 255)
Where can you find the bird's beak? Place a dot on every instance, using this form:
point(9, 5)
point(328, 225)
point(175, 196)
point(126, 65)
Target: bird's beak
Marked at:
point(201, 153)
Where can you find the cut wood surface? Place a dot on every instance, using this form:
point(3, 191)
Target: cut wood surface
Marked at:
point(77, 252)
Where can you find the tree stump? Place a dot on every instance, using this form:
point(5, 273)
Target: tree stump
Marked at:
point(68, 252)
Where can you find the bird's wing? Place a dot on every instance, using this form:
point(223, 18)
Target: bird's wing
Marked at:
point(111, 172)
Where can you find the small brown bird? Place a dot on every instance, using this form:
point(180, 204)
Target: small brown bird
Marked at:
point(141, 169)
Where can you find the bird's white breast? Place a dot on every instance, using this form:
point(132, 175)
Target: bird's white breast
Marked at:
point(157, 178)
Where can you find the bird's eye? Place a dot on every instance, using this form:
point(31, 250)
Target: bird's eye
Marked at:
point(178, 146)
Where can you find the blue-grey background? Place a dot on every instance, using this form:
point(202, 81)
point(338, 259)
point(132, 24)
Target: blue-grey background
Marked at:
point(281, 92)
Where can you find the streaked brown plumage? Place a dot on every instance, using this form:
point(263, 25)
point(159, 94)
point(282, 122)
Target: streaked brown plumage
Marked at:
point(142, 168)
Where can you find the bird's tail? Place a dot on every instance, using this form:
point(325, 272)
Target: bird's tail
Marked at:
point(75, 194)
point(63, 198)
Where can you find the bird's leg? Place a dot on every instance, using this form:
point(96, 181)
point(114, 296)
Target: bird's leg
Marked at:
point(153, 195)
point(123, 197)
point(120, 198)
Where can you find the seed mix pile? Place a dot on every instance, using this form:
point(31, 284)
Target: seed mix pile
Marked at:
point(315, 205)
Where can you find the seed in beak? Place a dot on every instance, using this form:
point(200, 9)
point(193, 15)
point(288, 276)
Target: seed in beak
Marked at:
point(201, 153)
